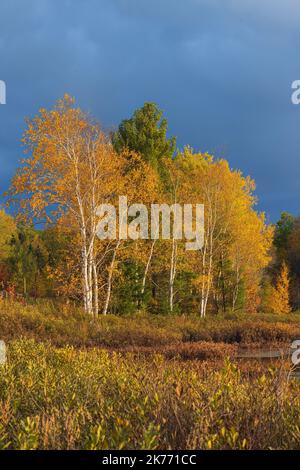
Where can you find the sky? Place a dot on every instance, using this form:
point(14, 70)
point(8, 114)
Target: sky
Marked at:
point(221, 70)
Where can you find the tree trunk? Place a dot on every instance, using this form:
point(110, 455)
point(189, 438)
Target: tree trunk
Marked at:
point(96, 290)
point(147, 268)
point(109, 280)
point(236, 289)
point(88, 307)
point(172, 275)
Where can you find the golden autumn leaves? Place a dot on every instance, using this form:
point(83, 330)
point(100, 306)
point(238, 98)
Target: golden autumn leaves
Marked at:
point(73, 168)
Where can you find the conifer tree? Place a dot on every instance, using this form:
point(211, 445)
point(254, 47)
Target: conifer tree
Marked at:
point(279, 302)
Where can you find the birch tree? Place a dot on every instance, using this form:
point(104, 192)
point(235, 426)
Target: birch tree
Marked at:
point(230, 225)
point(72, 168)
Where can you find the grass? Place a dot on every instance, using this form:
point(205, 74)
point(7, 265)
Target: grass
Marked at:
point(62, 398)
point(137, 382)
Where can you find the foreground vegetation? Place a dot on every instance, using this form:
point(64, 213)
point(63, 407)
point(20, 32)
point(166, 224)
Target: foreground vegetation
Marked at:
point(143, 382)
point(54, 398)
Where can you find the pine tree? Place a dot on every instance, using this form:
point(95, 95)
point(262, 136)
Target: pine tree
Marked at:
point(146, 133)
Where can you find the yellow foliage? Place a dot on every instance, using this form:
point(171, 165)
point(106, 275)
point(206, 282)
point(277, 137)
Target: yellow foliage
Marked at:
point(279, 298)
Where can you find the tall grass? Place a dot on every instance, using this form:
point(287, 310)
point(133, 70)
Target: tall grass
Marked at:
point(124, 382)
point(68, 399)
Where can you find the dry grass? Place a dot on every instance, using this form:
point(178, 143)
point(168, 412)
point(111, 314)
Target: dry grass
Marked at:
point(137, 382)
point(66, 399)
point(66, 325)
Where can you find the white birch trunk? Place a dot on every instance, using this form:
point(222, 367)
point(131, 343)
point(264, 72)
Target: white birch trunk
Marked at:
point(109, 280)
point(172, 274)
point(147, 267)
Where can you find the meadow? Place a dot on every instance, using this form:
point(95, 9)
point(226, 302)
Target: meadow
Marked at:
point(62, 398)
point(144, 382)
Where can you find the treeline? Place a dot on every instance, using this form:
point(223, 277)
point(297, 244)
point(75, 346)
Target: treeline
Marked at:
point(281, 282)
point(73, 166)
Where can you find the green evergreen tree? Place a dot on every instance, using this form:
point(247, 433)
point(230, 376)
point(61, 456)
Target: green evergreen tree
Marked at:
point(146, 133)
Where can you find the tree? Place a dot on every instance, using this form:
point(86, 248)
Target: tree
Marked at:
point(73, 167)
point(279, 300)
point(7, 230)
point(283, 230)
point(141, 183)
point(71, 171)
point(63, 269)
point(28, 260)
point(146, 133)
point(236, 239)
point(287, 250)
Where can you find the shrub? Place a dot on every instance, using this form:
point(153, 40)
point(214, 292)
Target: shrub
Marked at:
point(46, 322)
point(68, 399)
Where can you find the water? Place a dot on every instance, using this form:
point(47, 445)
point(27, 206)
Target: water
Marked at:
point(295, 374)
point(271, 354)
point(263, 354)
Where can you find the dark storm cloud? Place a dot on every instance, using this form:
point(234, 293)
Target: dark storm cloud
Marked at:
point(220, 69)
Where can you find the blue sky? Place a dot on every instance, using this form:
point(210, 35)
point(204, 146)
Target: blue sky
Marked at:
point(220, 69)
